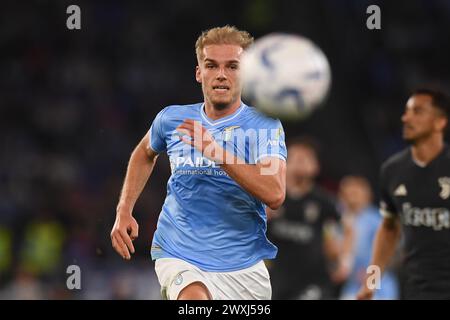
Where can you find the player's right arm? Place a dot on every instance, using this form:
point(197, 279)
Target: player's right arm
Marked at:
point(139, 169)
point(385, 244)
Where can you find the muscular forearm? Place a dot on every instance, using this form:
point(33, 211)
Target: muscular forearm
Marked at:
point(385, 243)
point(265, 181)
point(269, 188)
point(139, 170)
point(126, 228)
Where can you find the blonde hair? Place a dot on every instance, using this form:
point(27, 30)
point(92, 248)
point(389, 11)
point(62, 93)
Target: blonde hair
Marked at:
point(222, 35)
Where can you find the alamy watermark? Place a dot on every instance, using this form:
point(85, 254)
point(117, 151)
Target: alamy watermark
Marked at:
point(73, 281)
point(73, 21)
point(373, 280)
point(374, 20)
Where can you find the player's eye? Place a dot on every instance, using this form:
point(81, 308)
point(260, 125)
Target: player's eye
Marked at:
point(210, 66)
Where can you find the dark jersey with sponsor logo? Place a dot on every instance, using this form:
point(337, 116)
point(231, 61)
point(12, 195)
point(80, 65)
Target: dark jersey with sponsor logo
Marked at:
point(420, 195)
point(300, 269)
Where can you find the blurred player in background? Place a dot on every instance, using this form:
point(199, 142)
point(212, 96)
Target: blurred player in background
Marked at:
point(210, 240)
point(304, 230)
point(415, 193)
point(356, 197)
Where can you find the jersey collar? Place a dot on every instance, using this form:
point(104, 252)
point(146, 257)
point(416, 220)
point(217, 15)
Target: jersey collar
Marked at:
point(443, 152)
point(221, 120)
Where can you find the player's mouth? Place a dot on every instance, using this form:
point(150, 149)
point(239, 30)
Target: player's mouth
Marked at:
point(407, 127)
point(221, 89)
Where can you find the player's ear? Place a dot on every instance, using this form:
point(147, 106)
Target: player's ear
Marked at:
point(441, 123)
point(198, 74)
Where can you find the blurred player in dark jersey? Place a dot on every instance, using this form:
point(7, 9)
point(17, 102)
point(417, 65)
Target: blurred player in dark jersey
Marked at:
point(415, 199)
point(303, 230)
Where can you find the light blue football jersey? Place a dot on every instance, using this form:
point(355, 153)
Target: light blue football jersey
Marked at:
point(207, 219)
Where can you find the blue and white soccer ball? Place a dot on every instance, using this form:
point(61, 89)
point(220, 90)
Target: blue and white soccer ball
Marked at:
point(286, 76)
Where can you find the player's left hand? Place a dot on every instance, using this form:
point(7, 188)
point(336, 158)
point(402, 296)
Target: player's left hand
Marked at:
point(200, 138)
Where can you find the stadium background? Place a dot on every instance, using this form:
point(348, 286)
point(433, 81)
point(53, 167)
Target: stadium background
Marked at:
point(73, 104)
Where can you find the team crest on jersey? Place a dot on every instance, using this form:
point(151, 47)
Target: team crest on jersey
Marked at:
point(227, 132)
point(401, 191)
point(444, 183)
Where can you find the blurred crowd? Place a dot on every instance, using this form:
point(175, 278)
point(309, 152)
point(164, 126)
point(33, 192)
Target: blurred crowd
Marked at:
point(73, 104)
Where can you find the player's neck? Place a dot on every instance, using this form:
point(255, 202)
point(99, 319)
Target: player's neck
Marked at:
point(214, 113)
point(424, 152)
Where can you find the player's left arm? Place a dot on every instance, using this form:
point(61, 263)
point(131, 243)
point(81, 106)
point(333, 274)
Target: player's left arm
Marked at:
point(265, 180)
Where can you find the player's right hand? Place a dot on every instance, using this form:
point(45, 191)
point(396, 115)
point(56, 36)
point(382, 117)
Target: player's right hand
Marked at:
point(365, 293)
point(124, 231)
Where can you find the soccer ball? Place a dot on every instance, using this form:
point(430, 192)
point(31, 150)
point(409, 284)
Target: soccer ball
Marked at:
point(285, 76)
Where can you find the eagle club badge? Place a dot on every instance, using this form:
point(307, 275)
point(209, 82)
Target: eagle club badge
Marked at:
point(444, 183)
point(227, 133)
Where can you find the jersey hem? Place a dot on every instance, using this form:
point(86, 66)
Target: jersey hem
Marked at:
point(231, 269)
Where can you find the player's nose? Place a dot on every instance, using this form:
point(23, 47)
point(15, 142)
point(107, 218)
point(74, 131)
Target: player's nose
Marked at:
point(405, 117)
point(221, 75)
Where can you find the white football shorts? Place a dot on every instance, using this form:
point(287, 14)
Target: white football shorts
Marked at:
point(252, 283)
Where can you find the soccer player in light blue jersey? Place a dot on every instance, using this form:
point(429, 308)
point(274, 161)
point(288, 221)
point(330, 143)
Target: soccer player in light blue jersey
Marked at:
point(364, 220)
point(228, 164)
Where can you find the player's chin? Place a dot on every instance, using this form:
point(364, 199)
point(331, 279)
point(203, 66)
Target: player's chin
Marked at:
point(409, 137)
point(225, 95)
point(221, 102)
point(407, 133)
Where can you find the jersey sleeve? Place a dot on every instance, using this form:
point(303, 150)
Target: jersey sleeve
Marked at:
point(157, 141)
point(271, 141)
point(387, 207)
